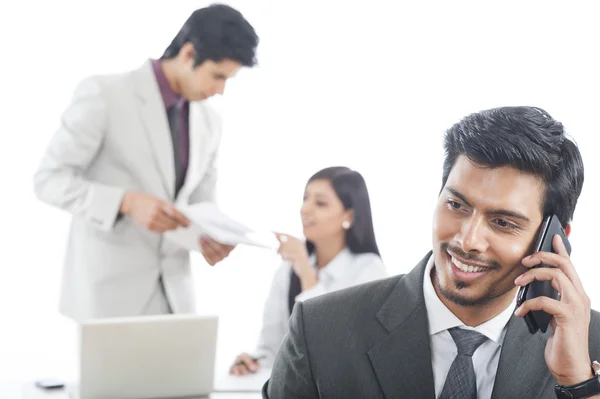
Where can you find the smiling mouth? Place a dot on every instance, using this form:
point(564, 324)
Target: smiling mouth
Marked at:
point(467, 268)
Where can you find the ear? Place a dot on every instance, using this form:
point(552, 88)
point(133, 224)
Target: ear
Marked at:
point(187, 52)
point(349, 216)
point(568, 229)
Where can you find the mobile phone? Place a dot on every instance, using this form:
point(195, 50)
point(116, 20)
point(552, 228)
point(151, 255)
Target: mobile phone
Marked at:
point(538, 320)
point(50, 384)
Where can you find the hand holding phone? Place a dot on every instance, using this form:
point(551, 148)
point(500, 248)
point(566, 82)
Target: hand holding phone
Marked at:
point(539, 320)
point(567, 353)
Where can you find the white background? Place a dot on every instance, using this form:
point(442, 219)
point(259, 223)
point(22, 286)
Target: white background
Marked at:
point(371, 85)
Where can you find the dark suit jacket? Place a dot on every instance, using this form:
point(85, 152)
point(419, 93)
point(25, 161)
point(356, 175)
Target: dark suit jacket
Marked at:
point(372, 341)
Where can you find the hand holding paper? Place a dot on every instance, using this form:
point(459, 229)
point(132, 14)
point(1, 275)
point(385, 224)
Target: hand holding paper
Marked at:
point(207, 220)
point(214, 251)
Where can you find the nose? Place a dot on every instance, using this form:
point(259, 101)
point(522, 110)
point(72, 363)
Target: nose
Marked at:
point(305, 209)
point(472, 237)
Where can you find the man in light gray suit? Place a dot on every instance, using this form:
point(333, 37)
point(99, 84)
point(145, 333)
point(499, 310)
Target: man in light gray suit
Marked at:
point(131, 148)
point(448, 328)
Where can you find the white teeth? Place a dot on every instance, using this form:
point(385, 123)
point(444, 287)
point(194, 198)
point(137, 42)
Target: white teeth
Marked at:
point(467, 268)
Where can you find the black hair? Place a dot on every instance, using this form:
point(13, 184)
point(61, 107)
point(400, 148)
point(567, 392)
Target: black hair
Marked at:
point(351, 189)
point(527, 139)
point(217, 32)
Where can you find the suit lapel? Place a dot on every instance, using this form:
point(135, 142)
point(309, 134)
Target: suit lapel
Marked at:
point(154, 117)
point(522, 367)
point(402, 361)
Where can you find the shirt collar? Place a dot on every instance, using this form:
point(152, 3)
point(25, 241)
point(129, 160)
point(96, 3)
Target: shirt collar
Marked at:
point(337, 267)
point(441, 318)
point(168, 95)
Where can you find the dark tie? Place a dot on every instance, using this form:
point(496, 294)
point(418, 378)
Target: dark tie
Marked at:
point(460, 381)
point(174, 114)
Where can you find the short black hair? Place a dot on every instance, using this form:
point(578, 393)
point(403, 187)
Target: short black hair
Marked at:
point(217, 32)
point(527, 139)
point(351, 189)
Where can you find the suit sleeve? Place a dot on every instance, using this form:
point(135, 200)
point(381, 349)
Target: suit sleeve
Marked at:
point(60, 178)
point(291, 377)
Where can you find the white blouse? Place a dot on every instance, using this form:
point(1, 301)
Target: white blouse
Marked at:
point(345, 270)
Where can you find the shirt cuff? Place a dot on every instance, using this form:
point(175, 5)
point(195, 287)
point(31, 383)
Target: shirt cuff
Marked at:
point(104, 204)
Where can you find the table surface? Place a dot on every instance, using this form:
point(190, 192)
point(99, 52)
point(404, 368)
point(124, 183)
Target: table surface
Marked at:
point(16, 390)
point(226, 387)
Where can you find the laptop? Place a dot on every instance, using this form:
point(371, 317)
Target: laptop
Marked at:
point(164, 356)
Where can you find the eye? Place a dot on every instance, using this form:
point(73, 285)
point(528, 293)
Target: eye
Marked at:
point(321, 204)
point(454, 204)
point(505, 224)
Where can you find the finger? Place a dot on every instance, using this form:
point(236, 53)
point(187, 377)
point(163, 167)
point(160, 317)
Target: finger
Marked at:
point(568, 269)
point(239, 369)
point(226, 250)
point(166, 220)
point(174, 215)
point(217, 248)
point(282, 248)
point(222, 249)
point(205, 243)
point(559, 281)
point(210, 260)
point(209, 242)
point(159, 225)
point(179, 217)
point(208, 252)
point(556, 260)
point(548, 305)
point(545, 258)
point(213, 251)
point(282, 237)
point(248, 362)
point(559, 246)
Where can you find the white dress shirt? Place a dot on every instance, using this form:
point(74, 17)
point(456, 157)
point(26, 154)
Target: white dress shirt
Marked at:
point(443, 348)
point(345, 270)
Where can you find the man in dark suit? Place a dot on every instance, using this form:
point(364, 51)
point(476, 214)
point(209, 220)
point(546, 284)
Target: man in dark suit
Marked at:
point(448, 329)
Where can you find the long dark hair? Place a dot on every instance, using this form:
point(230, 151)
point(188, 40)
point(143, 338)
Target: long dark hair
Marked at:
point(351, 189)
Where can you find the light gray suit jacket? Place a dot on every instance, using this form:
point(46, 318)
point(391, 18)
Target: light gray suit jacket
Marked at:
point(372, 341)
point(114, 137)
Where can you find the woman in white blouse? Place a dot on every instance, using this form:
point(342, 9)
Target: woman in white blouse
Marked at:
point(340, 251)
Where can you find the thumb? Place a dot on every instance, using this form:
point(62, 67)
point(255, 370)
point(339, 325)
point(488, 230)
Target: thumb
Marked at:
point(281, 237)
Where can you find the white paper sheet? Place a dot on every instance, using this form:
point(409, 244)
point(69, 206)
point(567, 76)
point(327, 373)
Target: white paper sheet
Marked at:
point(224, 382)
point(207, 219)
